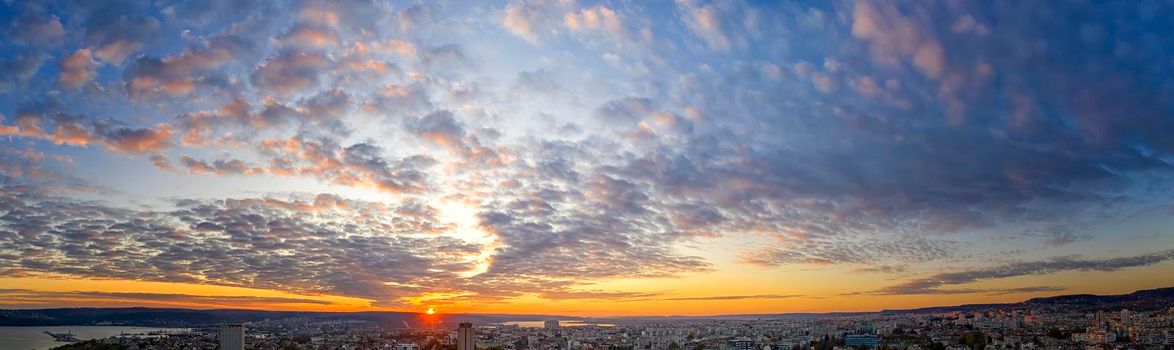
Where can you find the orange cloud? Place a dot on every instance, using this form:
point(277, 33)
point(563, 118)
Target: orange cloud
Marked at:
point(77, 69)
point(146, 140)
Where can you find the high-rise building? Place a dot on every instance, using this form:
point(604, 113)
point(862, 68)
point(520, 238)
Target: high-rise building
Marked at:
point(465, 337)
point(551, 324)
point(232, 336)
point(1125, 316)
point(740, 343)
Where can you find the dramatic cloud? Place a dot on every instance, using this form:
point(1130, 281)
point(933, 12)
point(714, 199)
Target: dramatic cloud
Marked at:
point(933, 284)
point(544, 148)
point(309, 246)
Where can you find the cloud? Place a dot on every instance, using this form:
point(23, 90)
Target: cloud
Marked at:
point(137, 140)
point(894, 37)
point(439, 127)
point(626, 110)
point(18, 69)
point(383, 252)
point(88, 298)
point(270, 244)
point(359, 165)
point(736, 297)
point(731, 124)
point(309, 38)
point(48, 120)
point(888, 269)
point(934, 284)
point(183, 74)
point(291, 72)
point(1038, 289)
point(603, 19)
point(77, 69)
point(30, 166)
point(33, 25)
point(219, 167)
point(705, 21)
point(531, 20)
point(852, 251)
point(114, 35)
point(162, 163)
point(237, 121)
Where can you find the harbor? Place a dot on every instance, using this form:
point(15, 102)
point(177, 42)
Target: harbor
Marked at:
point(39, 338)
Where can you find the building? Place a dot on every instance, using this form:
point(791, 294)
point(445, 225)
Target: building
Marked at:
point(465, 339)
point(232, 336)
point(740, 343)
point(1125, 319)
point(551, 324)
point(862, 340)
point(1095, 337)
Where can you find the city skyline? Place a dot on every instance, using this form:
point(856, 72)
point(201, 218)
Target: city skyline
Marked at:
point(583, 158)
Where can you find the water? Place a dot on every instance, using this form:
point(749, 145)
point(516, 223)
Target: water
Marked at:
point(561, 323)
point(22, 338)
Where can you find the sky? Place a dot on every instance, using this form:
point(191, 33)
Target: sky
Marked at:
point(583, 158)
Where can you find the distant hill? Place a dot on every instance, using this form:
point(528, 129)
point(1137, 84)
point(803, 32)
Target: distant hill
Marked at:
point(1139, 300)
point(159, 317)
point(1141, 297)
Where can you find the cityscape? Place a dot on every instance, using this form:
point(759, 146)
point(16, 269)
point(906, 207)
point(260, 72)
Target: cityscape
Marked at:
point(586, 174)
point(1143, 320)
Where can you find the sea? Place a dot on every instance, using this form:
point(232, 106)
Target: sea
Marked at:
point(561, 323)
point(24, 338)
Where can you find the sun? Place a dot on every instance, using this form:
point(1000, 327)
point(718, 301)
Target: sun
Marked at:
point(431, 311)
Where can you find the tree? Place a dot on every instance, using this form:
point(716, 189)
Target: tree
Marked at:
point(975, 340)
point(674, 346)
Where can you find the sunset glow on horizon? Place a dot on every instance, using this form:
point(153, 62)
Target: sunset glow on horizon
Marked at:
point(582, 158)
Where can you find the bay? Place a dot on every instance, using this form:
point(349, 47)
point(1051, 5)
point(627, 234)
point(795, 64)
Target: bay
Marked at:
point(25, 338)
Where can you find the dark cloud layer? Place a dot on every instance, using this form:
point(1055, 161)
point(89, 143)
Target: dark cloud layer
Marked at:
point(738, 297)
point(39, 297)
point(933, 284)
